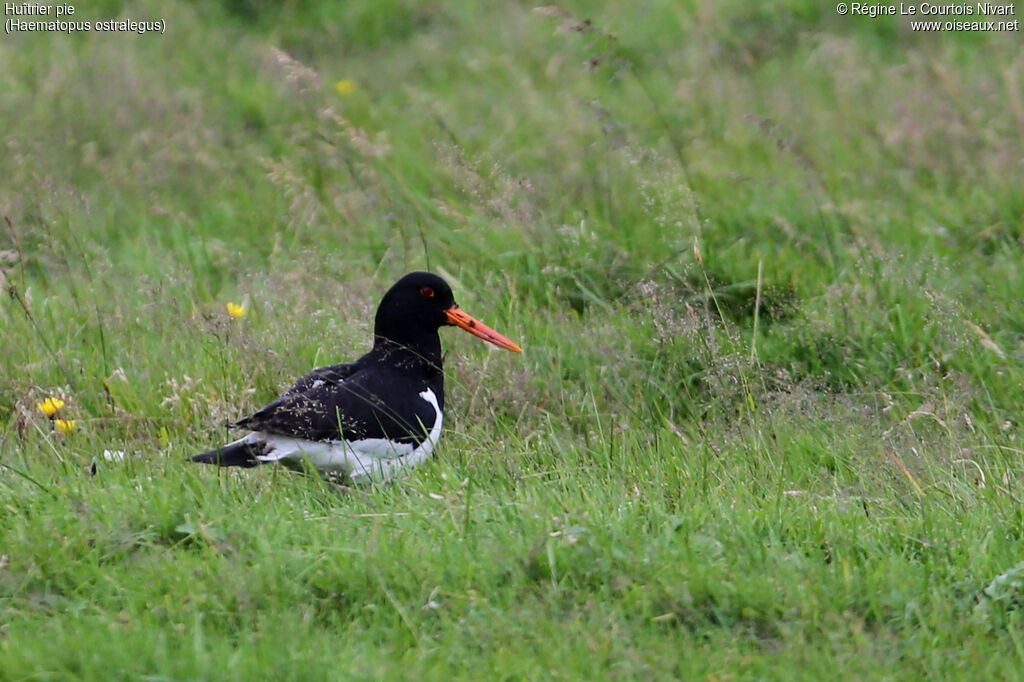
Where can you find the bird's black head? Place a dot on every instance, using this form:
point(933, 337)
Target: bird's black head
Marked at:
point(419, 304)
point(415, 303)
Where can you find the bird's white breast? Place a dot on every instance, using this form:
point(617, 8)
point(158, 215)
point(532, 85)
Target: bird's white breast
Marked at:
point(367, 460)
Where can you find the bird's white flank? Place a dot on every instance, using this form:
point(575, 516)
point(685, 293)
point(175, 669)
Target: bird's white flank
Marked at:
point(369, 460)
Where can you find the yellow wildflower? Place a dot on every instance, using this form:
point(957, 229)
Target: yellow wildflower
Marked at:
point(65, 426)
point(344, 87)
point(50, 406)
point(236, 311)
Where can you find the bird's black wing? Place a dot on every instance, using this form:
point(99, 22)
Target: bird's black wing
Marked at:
point(331, 375)
point(361, 405)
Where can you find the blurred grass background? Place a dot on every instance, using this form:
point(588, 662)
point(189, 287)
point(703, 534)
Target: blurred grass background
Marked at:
point(765, 262)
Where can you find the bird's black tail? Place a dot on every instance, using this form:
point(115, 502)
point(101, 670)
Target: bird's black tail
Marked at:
point(237, 454)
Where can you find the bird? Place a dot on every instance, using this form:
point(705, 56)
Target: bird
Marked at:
point(370, 420)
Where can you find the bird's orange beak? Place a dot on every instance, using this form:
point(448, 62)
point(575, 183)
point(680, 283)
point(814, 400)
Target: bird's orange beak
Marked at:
point(478, 328)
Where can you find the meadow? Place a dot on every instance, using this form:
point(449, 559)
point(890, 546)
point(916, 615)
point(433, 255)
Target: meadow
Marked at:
point(765, 262)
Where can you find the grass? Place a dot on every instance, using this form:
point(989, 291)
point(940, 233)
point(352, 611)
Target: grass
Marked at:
point(765, 263)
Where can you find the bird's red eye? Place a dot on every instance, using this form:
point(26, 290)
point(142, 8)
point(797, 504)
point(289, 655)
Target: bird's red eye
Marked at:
point(427, 291)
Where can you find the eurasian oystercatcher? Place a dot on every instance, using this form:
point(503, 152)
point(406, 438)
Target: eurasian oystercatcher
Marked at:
point(373, 418)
